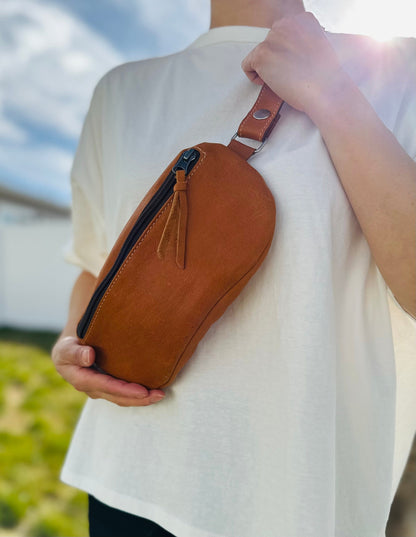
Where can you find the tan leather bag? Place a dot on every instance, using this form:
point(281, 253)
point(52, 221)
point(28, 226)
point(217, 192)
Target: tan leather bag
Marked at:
point(186, 253)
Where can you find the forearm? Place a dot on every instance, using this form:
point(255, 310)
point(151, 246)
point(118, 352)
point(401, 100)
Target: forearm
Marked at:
point(379, 179)
point(80, 296)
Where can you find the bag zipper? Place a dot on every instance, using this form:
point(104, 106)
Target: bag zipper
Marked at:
point(186, 162)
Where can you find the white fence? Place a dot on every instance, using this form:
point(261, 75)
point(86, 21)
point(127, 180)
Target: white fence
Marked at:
point(35, 281)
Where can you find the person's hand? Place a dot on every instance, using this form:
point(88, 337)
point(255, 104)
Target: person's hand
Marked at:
point(73, 361)
point(297, 62)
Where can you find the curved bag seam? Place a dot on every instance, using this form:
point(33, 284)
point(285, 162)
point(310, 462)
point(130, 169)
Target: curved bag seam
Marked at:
point(131, 254)
point(216, 303)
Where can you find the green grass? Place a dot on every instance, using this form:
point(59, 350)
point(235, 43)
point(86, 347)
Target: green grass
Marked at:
point(38, 411)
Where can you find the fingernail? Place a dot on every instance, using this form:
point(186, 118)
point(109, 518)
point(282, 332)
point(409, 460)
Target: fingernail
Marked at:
point(158, 397)
point(86, 356)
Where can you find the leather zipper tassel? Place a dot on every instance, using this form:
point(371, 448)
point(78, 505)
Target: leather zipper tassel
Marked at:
point(176, 222)
point(185, 163)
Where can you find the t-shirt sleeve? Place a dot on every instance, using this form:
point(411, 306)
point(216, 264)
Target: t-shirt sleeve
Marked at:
point(405, 124)
point(87, 246)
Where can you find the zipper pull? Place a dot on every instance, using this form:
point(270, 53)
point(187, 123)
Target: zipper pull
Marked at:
point(178, 216)
point(186, 160)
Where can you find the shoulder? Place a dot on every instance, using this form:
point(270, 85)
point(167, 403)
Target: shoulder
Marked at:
point(134, 74)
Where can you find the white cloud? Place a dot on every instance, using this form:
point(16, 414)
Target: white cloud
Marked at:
point(175, 23)
point(42, 168)
point(77, 62)
point(175, 15)
point(49, 65)
point(10, 131)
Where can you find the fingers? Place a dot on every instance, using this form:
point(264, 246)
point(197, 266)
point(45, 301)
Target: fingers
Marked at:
point(152, 398)
point(91, 381)
point(249, 66)
point(296, 60)
point(282, 32)
point(73, 361)
point(99, 386)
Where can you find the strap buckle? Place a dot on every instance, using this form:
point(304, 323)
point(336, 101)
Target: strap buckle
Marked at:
point(259, 148)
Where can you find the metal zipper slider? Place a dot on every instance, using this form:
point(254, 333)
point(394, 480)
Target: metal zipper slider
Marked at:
point(187, 158)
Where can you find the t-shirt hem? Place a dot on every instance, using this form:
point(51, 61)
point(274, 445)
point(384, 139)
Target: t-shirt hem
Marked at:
point(134, 506)
point(148, 510)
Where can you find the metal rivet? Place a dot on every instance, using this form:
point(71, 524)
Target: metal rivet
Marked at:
point(263, 113)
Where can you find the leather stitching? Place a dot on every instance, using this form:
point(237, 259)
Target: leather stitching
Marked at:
point(125, 262)
point(129, 257)
point(254, 106)
point(267, 124)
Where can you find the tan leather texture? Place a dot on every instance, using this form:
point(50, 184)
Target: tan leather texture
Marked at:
point(183, 273)
point(243, 150)
point(259, 129)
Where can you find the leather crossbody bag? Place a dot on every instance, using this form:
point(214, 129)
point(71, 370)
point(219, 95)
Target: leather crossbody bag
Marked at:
point(194, 241)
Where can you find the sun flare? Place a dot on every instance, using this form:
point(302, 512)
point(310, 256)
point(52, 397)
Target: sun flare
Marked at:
point(382, 20)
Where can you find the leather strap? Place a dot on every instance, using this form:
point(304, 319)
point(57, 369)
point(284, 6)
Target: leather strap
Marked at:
point(266, 108)
point(243, 150)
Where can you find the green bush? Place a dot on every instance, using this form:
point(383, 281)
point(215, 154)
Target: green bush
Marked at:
point(38, 411)
point(11, 511)
point(52, 525)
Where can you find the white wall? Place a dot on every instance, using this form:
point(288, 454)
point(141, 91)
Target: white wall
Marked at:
point(11, 212)
point(35, 281)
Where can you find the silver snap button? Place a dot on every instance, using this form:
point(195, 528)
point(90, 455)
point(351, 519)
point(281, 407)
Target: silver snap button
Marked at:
point(263, 113)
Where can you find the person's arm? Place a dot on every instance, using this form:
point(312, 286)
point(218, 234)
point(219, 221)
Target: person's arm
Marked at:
point(73, 361)
point(379, 179)
point(297, 61)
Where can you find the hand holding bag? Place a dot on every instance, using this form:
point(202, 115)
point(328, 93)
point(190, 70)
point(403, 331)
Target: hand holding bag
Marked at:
point(198, 236)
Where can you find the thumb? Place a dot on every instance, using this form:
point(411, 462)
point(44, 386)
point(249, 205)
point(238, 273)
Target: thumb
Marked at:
point(69, 352)
point(84, 355)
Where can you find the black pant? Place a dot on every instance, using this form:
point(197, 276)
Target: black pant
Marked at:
point(106, 521)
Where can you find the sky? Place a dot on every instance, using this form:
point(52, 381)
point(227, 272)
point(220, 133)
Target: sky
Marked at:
point(53, 52)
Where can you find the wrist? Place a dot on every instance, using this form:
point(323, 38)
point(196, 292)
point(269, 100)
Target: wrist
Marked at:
point(332, 99)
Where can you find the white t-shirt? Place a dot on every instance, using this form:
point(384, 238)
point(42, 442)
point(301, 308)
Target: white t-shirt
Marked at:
point(289, 420)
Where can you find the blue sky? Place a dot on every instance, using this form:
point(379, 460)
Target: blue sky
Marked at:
point(54, 51)
point(52, 54)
